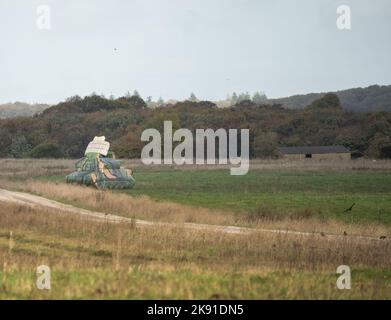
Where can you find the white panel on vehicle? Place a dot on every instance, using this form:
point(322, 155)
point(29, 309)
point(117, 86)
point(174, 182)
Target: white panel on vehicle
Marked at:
point(98, 145)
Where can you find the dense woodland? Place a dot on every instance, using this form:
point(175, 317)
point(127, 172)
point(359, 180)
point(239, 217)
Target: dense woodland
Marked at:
point(372, 98)
point(64, 130)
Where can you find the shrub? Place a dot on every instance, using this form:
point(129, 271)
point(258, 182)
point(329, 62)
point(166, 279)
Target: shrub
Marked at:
point(46, 150)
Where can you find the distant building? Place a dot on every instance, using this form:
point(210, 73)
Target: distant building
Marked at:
point(319, 152)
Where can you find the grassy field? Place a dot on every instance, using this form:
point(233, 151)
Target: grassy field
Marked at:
point(99, 260)
point(272, 193)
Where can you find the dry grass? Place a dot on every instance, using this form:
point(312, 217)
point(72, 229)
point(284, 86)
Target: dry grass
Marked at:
point(18, 174)
point(143, 207)
point(99, 260)
point(29, 168)
point(11, 168)
point(273, 164)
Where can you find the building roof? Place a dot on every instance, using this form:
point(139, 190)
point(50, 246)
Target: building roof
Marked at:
point(314, 150)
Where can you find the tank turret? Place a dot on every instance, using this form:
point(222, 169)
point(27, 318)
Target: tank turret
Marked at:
point(99, 168)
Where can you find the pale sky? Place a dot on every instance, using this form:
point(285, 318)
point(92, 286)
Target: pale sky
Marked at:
point(173, 47)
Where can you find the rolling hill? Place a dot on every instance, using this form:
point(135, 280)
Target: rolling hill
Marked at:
point(21, 109)
point(373, 98)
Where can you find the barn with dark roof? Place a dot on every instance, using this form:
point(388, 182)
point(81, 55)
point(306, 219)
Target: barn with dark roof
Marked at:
point(316, 152)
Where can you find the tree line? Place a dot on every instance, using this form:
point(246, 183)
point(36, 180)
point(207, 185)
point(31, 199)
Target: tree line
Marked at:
point(65, 129)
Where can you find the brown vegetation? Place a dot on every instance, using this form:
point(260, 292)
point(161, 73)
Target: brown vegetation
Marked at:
point(143, 207)
point(95, 260)
point(29, 168)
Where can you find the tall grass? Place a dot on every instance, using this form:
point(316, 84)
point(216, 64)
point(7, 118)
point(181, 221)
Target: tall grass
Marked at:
point(100, 260)
point(143, 207)
point(27, 168)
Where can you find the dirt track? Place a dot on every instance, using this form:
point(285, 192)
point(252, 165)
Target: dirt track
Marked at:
point(37, 201)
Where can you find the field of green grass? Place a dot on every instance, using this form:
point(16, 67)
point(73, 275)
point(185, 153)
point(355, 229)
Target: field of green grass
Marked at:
point(314, 193)
point(273, 193)
point(98, 260)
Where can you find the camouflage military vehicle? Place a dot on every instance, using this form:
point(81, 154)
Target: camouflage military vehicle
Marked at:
point(99, 168)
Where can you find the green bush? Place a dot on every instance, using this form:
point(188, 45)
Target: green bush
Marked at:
point(46, 150)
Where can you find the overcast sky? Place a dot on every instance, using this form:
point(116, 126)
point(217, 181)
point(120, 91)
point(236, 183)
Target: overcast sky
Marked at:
point(173, 47)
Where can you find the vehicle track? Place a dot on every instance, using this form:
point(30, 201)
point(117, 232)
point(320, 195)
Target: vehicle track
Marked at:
point(31, 200)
